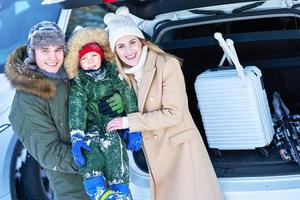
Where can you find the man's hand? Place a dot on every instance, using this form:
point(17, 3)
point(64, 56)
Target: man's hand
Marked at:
point(78, 145)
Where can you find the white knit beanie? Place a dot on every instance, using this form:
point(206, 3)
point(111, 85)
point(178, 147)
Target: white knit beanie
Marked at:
point(119, 24)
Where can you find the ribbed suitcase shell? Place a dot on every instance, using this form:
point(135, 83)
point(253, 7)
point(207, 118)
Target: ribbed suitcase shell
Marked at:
point(235, 112)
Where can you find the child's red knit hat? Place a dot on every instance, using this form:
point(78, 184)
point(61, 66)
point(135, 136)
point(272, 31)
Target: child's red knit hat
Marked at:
point(89, 47)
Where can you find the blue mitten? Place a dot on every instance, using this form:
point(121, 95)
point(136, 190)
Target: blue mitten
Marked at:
point(78, 144)
point(124, 134)
point(134, 141)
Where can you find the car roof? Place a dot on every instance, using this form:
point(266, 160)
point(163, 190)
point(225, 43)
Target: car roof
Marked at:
point(148, 9)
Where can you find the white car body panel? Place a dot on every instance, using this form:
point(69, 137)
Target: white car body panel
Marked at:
point(8, 140)
point(250, 188)
point(247, 188)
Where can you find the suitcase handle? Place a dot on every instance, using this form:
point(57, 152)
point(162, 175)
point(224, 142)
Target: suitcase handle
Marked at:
point(222, 68)
point(229, 50)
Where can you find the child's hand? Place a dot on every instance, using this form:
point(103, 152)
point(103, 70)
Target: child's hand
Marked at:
point(115, 103)
point(134, 141)
point(112, 106)
point(79, 145)
point(115, 124)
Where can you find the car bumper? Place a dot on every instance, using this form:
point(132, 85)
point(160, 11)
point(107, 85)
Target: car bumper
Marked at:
point(257, 188)
point(247, 188)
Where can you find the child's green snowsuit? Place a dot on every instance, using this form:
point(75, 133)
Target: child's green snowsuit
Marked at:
point(108, 155)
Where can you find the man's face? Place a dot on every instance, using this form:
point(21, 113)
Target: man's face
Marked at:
point(49, 58)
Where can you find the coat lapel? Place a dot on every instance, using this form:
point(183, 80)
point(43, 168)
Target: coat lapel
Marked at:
point(147, 78)
point(133, 83)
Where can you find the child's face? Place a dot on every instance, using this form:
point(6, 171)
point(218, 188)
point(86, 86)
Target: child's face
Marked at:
point(90, 61)
point(49, 58)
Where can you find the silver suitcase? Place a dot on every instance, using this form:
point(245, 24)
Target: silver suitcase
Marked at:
point(234, 107)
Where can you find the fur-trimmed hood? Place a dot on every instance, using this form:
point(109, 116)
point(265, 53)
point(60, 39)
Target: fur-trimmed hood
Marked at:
point(78, 40)
point(25, 79)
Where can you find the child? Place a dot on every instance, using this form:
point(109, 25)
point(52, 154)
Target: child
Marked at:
point(94, 79)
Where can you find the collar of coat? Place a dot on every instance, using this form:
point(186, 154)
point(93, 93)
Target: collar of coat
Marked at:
point(22, 78)
point(153, 61)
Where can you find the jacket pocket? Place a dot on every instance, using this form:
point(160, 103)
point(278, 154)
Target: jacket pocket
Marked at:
point(182, 137)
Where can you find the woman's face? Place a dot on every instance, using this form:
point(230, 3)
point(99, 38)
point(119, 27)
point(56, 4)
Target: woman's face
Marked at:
point(129, 49)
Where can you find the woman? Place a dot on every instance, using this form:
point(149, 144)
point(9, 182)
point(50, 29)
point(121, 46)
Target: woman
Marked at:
point(178, 162)
point(38, 113)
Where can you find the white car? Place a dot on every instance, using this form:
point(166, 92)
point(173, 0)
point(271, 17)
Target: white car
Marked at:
point(21, 177)
point(266, 34)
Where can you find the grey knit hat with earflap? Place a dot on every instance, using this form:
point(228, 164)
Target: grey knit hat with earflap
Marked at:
point(42, 35)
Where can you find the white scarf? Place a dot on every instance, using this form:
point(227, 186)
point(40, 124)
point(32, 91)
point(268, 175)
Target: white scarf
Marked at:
point(137, 70)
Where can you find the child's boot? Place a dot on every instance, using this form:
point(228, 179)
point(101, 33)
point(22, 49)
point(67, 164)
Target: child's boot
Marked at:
point(121, 191)
point(96, 188)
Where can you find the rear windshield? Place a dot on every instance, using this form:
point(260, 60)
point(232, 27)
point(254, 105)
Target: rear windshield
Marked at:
point(16, 18)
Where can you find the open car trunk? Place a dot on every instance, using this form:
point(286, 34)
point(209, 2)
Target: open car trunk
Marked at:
point(270, 43)
point(278, 75)
point(267, 39)
point(146, 9)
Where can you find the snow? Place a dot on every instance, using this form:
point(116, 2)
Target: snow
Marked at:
point(20, 160)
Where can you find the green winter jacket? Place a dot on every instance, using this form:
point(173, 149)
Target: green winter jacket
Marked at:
point(39, 119)
point(86, 93)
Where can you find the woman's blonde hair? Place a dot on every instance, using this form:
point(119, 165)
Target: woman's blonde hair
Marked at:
point(151, 46)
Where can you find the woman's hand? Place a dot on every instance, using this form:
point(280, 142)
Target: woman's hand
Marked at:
point(115, 124)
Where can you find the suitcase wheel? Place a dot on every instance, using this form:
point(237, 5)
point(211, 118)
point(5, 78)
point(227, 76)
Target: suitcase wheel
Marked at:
point(263, 151)
point(216, 152)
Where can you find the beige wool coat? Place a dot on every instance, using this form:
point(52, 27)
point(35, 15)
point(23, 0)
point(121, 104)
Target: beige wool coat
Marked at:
point(178, 162)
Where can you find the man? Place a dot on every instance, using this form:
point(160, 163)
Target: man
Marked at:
point(39, 109)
